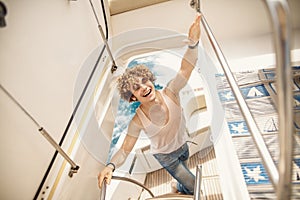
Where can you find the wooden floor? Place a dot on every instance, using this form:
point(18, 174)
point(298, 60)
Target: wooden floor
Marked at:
point(159, 181)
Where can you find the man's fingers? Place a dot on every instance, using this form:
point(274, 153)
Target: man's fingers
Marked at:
point(198, 17)
point(104, 175)
point(108, 179)
point(100, 180)
point(99, 183)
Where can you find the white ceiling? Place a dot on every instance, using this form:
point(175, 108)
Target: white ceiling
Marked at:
point(229, 19)
point(120, 6)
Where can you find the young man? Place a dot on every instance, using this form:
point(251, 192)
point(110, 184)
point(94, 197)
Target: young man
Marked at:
point(160, 116)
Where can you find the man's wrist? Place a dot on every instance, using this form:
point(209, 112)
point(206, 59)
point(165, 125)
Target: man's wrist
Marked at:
point(193, 46)
point(112, 166)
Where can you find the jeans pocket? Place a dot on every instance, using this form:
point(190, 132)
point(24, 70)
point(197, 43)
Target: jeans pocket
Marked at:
point(185, 155)
point(164, 159)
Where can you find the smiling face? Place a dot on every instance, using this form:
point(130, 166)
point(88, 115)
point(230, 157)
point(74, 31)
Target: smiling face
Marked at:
point(137, 84)
point(143, 89)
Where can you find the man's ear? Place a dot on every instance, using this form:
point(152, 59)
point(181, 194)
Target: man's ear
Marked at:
point(133, 98)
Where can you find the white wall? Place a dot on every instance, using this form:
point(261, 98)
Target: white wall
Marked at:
point(42, 49)
point(241, 27)
point(46, 42)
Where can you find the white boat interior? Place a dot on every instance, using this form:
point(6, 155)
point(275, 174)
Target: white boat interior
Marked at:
point(59, 97)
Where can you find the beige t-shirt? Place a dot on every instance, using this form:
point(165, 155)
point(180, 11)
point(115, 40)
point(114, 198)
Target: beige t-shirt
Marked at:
point(168, 137)
point(172, 135)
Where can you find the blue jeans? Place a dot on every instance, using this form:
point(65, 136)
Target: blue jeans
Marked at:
point(176, 164)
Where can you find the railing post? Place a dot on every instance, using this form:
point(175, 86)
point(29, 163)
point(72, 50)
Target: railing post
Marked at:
point(197, 187)
point(251, 124)
point(279, 14)
point(256, 135)
point(114, 66)
point(74, 167)
point(103, 190)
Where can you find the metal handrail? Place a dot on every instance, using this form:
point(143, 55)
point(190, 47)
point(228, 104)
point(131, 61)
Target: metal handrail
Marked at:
point(74, 166)
point(197, 187)
point(281, 178)
point(279, 14)
point(258, 139)
point(114, 66)
point(103, 190)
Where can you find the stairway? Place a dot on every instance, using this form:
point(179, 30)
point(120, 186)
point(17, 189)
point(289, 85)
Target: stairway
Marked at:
point(159, 181)
point(259, 90)
point(260, 95)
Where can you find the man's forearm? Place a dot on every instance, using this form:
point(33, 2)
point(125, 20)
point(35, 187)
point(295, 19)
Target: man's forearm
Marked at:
point(119, 158)
point(191, 54)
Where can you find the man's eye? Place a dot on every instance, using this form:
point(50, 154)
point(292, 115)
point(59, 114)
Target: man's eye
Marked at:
point(136, 87)
point(144, 80)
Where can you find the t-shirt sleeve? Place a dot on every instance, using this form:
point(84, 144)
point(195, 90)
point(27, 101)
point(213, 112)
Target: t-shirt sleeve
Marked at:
point(134, 129)
point(176, 84)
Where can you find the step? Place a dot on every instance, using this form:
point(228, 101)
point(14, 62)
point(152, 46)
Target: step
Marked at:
point(172, 197)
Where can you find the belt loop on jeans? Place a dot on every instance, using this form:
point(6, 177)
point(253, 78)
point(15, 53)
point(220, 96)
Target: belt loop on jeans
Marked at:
point(192, 142)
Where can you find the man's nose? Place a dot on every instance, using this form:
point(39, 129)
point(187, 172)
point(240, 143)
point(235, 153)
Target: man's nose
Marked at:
point(143, 86)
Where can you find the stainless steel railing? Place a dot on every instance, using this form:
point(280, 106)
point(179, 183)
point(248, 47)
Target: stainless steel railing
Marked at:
point(197, 187)
point(103, 190)
point(281, 178)
point(262, 148)
point(74, 167)
point(279, 14)
point(114, 66)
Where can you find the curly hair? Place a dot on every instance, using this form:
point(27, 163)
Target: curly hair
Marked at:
point(130, 76)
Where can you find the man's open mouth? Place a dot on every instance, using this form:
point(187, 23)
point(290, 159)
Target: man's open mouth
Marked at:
point(147, 92)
